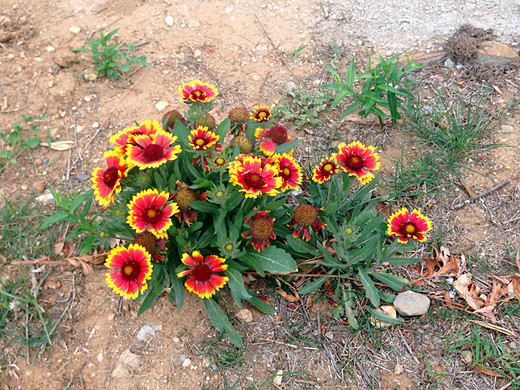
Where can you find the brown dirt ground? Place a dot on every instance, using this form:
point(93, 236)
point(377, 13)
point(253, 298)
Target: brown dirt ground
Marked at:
point(40, 75)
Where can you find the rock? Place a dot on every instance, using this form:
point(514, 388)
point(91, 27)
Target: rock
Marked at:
point(81, 177)
point(89, 76)
point(245, 315)
point(186, 362)
point(507, 129)
point(39, 186)
point(65, 59)
point(492, 53)
point(147, 332)
point(398, 369)
point(127, 359)
point(422, 57)
point(411, 303)
point(467, 357)
point(45, 198)
point(75, 29)
point(389, 311)
point(169, 20)
point(159, 106)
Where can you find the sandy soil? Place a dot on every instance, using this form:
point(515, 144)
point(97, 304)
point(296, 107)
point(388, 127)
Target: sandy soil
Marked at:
point(232, 45)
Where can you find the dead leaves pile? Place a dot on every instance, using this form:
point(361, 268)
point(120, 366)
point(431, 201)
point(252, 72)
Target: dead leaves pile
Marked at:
point(481, 298)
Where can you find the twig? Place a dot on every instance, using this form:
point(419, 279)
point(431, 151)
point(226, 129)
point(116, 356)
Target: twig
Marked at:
point(68, 165)
point(323, 344)
point(263, 84)
point(69, 304)
point(412, 354)
point(506, 385)
point(13, 110)
point(276, 49)
point(485, 193)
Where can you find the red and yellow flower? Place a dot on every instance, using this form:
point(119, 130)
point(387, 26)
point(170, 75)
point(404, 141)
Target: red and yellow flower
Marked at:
point(201, 138)
point(133, 267)
point(358, 160)
point(305, 216)
point(197, 91)
point(254, 177)
point(407, 225)
point(267, 147)
point(149, 211)
point(124, 137)
point(152, 152)
point(261, 230)
point(107, 182)
point(324, 171)
point(289, 170)
point(261, 114)
point(204, 280)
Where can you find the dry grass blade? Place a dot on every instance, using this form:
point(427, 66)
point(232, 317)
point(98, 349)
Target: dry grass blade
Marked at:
point(496, 328)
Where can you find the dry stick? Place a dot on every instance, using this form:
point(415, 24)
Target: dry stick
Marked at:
point(476, 197)
point(412, 354)
point(275, 49)
point(108, 117)
point(69, 304)
point(13, 110)
point(263, 84)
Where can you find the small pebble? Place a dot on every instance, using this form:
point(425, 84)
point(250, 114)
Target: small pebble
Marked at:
point(75, 29)
point(169, 20)
point(186, 363)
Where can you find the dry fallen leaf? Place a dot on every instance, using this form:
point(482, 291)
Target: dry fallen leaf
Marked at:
point(59, 145)
point(287, 297)
point(487, 371)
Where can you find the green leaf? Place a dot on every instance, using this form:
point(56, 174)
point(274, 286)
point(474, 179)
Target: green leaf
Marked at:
point(312, 286)
point(86, 244)
point(261, 305)
point(300, 246)
point(152, 296)
point(221, 321)
point(284, 148)
point(274, 260)
point(403, 260)
point(205, 207)
point(350, 108)
point(351, 73)
point(31, 143)
point(395, 282)
point(223, 129)
point(370, 288)
point(78, 200)
point(392, 105)
point(236, 282)
point(54, 218)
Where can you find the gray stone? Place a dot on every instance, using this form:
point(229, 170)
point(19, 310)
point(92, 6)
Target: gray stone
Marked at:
point(411, 303)
point(128, 361)
point(147, 331)
point(492, 53)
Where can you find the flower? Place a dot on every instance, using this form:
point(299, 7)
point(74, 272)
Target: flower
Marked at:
point(238, 114)
point(149, 211)
point(125, 137)
point(206, 121)
point(267, 147)
point(156, 247)
point(304, 217)
point(197, 91)
point(219, 161)
point(134, 269)
point(152, 152)
point(261, 114)
point(201, 138)
point(253, 177)
point(356, 158)
point(289, 170)
point(203, 279)
point(324, 171)
point(107, 182)
point(183, 198)
point(243, 143)
point(261, 230)
point(405, 225)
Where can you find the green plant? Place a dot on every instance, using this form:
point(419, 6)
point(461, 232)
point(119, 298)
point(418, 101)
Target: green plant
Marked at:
point(296, 52)
point(18, 140)
point(112, 61)
point(196, 213)
point(457, 129)
point(379, 90)
point(303, 108)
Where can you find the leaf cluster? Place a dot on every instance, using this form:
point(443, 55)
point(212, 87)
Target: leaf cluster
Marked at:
point(111, 59)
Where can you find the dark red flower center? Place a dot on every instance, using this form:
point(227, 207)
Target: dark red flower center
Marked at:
point(261, 228)
point(147, 240)
point(305, 215)
point(110, 177)
point(354, 162)
point(198, 95)
point(285, 173)
point(408, 229)
point(201, 273)
point(254, 180)
point(278, 134)
point(153, 152)
point(130, 270)
point(152, 214)
point(219, 161)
